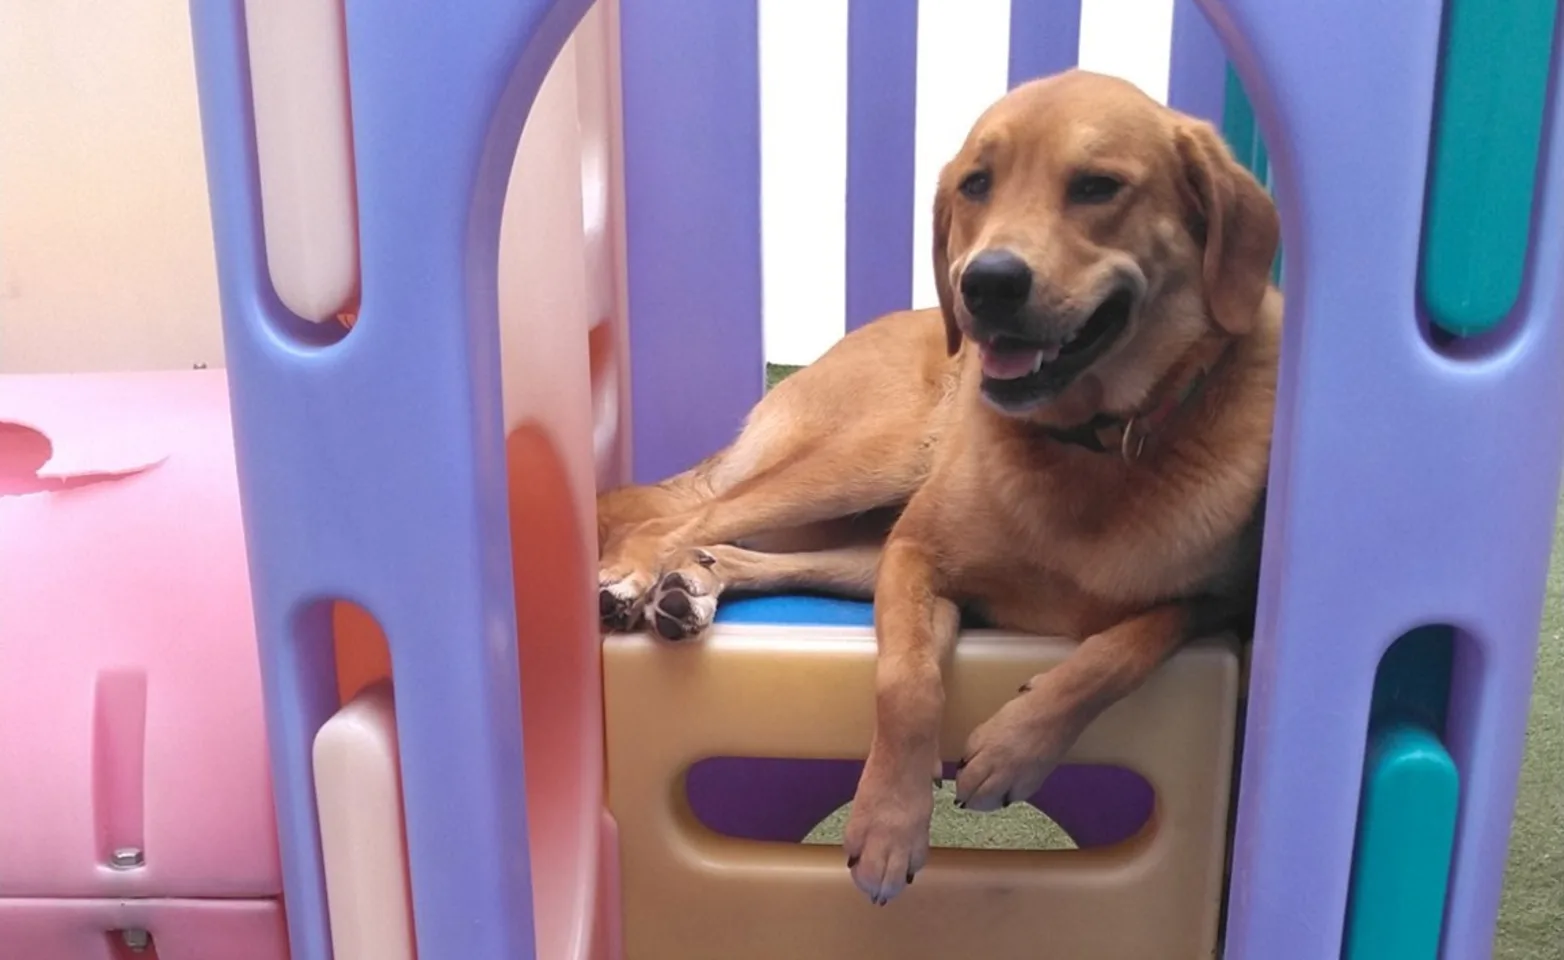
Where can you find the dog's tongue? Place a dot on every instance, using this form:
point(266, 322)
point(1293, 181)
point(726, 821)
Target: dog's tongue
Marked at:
point(1013, 361)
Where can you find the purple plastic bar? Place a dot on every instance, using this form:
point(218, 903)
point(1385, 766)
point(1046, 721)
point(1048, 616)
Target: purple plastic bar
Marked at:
point(691, 104)
point(882, 88)
point(1391, 510)
point(1045, 37)
point(372, 469)
point(1197, 68)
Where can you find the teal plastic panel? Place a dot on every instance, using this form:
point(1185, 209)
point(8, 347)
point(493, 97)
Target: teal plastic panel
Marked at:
point(1483, 168)
point(1406, 833)
point(1407, 816)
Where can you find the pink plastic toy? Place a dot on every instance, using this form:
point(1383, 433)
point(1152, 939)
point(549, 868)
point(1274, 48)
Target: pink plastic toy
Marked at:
point(133, 769)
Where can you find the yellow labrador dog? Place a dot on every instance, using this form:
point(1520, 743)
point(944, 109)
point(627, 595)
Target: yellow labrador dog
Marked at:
point(1075, 443)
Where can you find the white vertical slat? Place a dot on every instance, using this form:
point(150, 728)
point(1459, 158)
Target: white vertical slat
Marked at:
point(803, 176)
point(1130, 39)
point(963, 66)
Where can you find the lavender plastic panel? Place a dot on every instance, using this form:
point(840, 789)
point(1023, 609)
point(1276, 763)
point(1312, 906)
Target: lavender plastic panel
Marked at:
point(376, 463)
point(882, 84)
point(1389, 513)
point(691, 103)
point(1045, 37)
point(1197, 68)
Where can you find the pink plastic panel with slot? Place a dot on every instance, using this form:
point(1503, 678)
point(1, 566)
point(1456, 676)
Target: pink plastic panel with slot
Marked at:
point(130, 705)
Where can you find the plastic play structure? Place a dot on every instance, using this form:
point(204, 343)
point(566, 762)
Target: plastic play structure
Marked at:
point(355, 499)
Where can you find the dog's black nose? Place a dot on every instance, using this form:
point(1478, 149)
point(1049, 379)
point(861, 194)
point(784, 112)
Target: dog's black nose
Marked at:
point(995, 284)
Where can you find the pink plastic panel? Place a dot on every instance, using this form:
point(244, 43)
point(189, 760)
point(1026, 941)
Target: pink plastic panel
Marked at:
point(130, 706)
point(179, 929)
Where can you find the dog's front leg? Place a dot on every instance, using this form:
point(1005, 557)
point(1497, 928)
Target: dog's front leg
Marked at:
point(887, 836)
point(1010, 754)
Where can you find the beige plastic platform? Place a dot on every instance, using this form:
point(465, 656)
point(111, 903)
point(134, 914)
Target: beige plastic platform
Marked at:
point(772, 691)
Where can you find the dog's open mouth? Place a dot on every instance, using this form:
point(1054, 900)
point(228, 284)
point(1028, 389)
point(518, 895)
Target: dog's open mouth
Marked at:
point(1018, 373)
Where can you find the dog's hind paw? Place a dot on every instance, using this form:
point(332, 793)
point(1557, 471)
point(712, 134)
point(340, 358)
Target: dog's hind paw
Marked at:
point(683, 603)
point(621, 602)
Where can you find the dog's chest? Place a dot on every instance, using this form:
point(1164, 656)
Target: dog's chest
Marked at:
point(1060, 545)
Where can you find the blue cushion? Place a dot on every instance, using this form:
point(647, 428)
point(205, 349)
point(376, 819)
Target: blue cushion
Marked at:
point(802, 609)
point(798, 609)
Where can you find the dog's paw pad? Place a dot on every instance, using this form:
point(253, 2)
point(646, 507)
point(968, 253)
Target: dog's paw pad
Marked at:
point(679, 608)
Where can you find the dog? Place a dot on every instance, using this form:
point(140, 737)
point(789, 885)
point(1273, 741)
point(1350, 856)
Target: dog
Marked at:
point(1075, 443)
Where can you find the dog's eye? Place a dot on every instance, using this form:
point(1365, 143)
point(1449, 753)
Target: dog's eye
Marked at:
point(1093, 188)
point(975, 185)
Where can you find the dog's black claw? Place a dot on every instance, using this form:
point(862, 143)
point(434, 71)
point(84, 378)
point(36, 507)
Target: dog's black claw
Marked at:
point(1025, 687)
point(1006, 801)
point(606, 604)
point(909, 878)
point(939, 782)
point(852, 861)
point(961, 804)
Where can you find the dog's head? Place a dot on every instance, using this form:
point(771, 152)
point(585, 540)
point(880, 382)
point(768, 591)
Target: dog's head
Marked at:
point(1086, 236)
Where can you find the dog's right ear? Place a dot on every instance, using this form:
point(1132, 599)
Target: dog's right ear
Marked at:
point(947, 302)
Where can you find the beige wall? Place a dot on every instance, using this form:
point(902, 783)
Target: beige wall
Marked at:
point(105, 244)
point(106, 256)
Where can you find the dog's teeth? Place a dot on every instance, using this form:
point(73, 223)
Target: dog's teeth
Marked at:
point(1037, 362)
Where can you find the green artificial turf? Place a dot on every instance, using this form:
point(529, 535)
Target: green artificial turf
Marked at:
point(1531, 920)
point(777, 372)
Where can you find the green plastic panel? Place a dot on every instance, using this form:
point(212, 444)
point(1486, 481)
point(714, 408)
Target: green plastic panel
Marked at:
point(1483, 165)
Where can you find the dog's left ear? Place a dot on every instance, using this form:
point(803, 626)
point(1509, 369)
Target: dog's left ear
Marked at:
point(1240, 225)
point(947, 302)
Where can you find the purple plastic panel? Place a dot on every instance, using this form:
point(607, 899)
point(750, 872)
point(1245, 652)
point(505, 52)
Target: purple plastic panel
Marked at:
point(1197, 69)
point(373, 469)
point(691, 103)
point(1045, 37)
point(882, 87)
point(1389, 510)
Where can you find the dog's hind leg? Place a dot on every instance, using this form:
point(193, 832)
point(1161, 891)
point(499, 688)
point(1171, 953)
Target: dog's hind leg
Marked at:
point(851, 433)
point(841, 477)
point(623, 508)
point(685, 600)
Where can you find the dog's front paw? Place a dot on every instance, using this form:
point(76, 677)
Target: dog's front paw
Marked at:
point(1011, 753)
point(887, 834)
point(685, 600)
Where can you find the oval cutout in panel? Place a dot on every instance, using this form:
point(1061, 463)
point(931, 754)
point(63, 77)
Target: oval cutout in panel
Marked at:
point(798, 800)
point(304, 148)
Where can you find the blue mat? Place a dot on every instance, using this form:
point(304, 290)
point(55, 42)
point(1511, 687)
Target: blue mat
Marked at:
point(802, 609)
point(797, 609)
